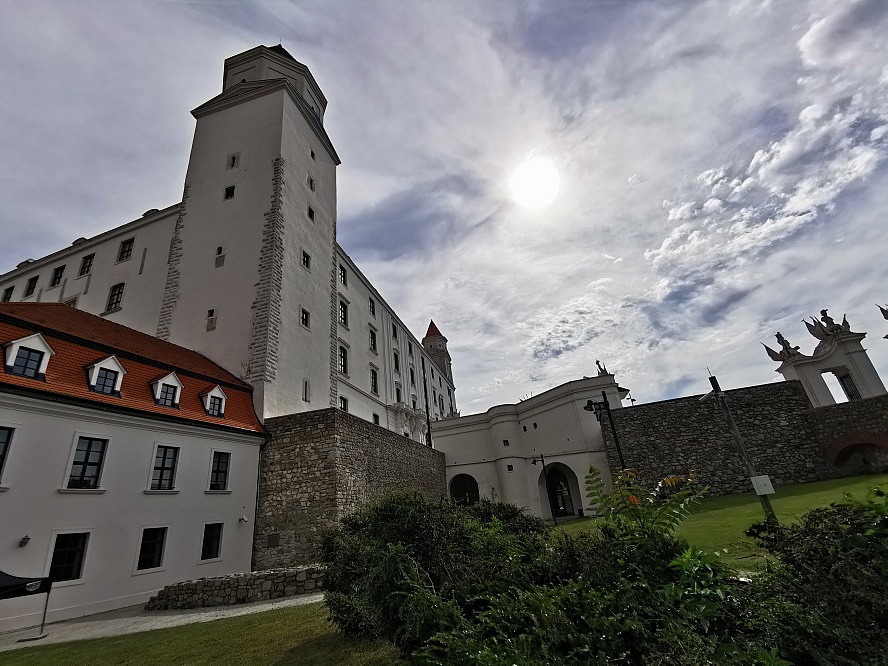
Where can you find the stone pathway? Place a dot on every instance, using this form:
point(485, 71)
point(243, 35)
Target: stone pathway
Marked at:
point(134, 619)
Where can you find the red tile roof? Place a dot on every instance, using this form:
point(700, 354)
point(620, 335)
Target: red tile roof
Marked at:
point(433, 330)
point(79, 339)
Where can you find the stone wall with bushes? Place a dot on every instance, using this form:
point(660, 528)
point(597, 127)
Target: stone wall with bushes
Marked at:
point(776, 420)
point(320, 466)
point(239, 588)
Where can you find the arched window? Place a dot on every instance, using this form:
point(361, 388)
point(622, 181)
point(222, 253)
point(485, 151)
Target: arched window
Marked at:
point(559, 492)
point(464, 489)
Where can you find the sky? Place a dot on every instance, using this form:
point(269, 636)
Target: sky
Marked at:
point(722, 165)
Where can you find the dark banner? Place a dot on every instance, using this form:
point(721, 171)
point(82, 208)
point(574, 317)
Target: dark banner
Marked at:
point(15, 586)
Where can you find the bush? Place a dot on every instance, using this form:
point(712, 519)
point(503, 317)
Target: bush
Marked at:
point(825, 599)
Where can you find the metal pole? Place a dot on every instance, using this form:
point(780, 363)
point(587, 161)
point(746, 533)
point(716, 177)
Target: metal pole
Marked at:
point(770, 516)
point(610, 418)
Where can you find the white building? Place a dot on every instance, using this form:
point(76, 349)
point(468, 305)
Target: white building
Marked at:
point(246, 269)
point(500, 454)
point(126, 463)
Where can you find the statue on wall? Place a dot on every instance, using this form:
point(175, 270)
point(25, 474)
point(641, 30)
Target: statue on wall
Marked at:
point(602, 369)
point(827, 327)
point(884, 312)
point(786, 350)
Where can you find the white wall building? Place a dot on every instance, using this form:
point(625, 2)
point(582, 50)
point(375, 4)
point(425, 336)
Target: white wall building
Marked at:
point(246, 269)
point(126, 463)
point(492, 454)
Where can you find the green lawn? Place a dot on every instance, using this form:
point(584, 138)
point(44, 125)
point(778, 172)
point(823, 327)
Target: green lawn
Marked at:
point(720, 522)
point(295, 635)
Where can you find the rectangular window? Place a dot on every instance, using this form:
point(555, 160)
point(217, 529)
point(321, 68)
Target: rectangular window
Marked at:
point(306, 261)
point(412, 377)
point(7, 294)
point(343, 313)
point(397, 394)
point(68, 555)
point(163, 477)
point(375, 419)
point(305, 318)
point(57, 273)
point(86, 264)
point(311, 213)
point(343, 276)
point(126, 249)
point(71, 302)
point(229, 192)
point(167, 396)
point(372, 308)
point(106, 381)
point(115, 298)
point(232, 161)
point(219, 470)
point(86, 470)
point(409, 348)
point(372, 339)
point(31, 286)
point(343, 403)
point(374, 381)
point(5, 438)
point(397, 361)
point(311, 183)
point(505, 442)
point(394, 332)
point(306, 391)
point(214, 408)
point(151, 548)
point(343, 360)
point(27, 363)
point(212, 541)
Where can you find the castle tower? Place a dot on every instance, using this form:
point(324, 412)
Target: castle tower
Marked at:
point(252, 262)
point(435, 345)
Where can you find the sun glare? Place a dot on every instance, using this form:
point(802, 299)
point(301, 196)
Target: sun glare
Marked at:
point(535, 183)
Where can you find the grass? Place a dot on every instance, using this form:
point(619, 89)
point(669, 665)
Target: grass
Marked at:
point(295, 635)
point(721, 522)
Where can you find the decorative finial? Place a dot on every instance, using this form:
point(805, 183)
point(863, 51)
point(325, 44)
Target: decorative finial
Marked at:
point(786, 349)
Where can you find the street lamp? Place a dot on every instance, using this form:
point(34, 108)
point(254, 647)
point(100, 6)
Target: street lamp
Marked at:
point(762, 492)
point(599, 408)
point(541, 459)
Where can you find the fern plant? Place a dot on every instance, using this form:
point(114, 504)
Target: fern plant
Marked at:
point(659, 509)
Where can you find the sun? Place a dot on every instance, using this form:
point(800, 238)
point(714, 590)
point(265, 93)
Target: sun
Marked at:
point(535, 183)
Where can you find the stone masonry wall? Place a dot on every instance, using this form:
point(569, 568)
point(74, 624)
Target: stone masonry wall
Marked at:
point(857, 428)
point(320, 466)
point(673, 436)
point(239, 588)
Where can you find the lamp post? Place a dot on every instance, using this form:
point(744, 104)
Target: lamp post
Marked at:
point(541, 459)
point(770, 516)
point(604, 406)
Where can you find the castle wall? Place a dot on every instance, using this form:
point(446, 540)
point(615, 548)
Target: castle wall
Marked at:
point(783, 433)
point(318, 467)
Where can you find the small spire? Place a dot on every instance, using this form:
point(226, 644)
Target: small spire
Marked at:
point(433, 330)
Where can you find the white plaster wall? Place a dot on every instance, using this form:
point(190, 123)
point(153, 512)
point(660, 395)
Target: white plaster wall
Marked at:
point(552, 423)
point(31, 504)
point(144, 274)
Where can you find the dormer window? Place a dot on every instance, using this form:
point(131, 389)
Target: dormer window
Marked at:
point(167, 391)
point(214, 402)
point(28, 357)
point(106, 376)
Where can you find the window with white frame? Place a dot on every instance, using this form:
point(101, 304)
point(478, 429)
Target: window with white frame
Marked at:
point(125, 252)
point(31, 285)
point(343, 313)
point(106, 376)
point(5, 440)
point(86, 467)
point(306, 260)
point(211, 546)
point(396, 361)
point(343, 403)
point(7, 294)
point(374, 381)
point(163, 475)
point(151, 548)
point(86, 264)
point(57, 273)
point(219, 470)
point(372, 308)
point(115, 297)
point(343, 276)
point(28, 356)
point(68, 556)
point(305, 318)
point(167, 391)
point(343, 360)
point(214, 402)
point(372, 340)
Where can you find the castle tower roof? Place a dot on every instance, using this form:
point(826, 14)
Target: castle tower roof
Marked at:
point(433, 330)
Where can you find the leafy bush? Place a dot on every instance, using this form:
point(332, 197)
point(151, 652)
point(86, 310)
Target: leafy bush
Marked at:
point(825, 599)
